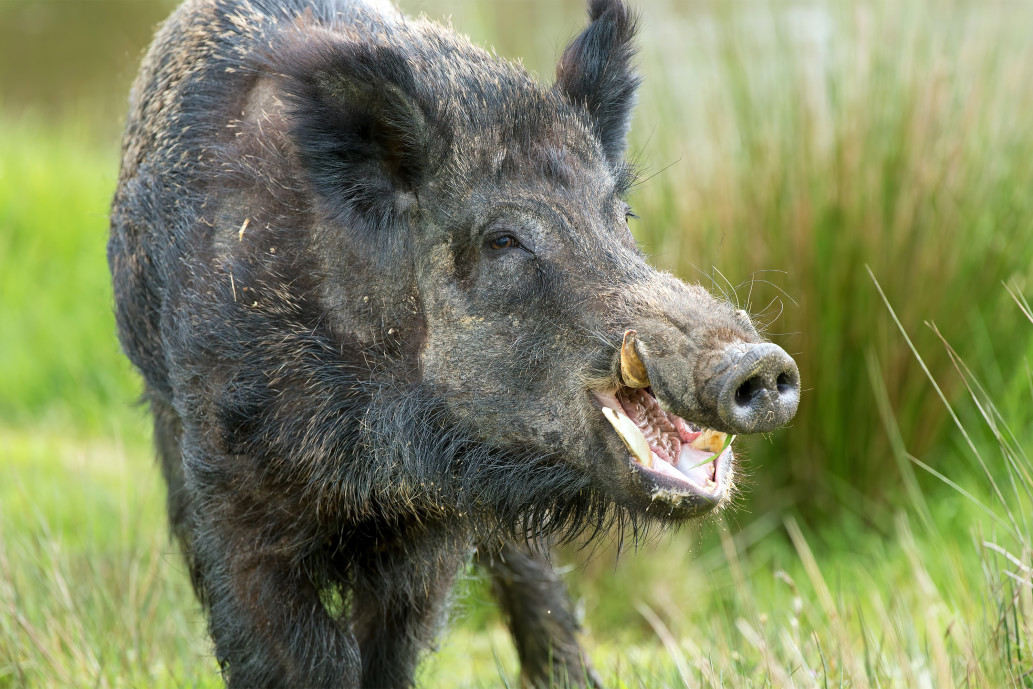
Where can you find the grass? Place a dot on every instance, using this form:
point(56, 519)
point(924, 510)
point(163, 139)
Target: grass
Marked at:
point(790, 147)
point(92, 594)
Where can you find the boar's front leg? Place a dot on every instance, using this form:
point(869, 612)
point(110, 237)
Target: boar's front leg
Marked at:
point(270, 628)
point(400, 589)
point(538, 612)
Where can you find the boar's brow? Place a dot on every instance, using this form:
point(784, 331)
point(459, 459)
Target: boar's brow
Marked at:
point(547, 162)
point(521, 206)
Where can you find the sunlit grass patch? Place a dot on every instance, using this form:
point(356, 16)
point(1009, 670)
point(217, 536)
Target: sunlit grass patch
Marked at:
point(59, 356)
point(92, 593)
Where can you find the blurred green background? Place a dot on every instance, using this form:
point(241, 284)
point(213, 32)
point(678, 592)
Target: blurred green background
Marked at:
point(792, 154)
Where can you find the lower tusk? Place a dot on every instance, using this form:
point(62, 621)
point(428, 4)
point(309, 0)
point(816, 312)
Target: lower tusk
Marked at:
point(632, 436)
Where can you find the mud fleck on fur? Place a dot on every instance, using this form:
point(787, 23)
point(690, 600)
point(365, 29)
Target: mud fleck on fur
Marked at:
point(377, 281)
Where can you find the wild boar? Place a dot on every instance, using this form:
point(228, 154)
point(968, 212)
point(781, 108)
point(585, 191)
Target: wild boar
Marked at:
point(390, 317)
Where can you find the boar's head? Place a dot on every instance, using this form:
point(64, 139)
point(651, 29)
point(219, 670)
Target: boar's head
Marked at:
point(498, 206)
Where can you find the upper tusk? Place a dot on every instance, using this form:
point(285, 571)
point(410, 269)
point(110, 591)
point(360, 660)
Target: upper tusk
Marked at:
point(633, 371)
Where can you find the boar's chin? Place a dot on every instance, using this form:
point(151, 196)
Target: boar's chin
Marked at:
point(677, 469)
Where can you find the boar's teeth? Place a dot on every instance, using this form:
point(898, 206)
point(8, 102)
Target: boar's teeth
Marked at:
point(632, 436)
point(633, 371)
point(710, 441)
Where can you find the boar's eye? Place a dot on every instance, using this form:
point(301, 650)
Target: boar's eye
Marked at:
point(501, 242)
point(629, 215)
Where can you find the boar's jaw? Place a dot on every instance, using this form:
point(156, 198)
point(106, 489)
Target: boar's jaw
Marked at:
point(685, 467)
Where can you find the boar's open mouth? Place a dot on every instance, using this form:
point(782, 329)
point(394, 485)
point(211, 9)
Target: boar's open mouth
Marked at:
point(675, 458)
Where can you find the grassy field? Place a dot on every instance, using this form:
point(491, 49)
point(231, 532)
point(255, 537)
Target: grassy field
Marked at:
point(92, 595)
point(884, 540)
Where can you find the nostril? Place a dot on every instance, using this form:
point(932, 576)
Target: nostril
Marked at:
point(759, 387)
point(745, 393)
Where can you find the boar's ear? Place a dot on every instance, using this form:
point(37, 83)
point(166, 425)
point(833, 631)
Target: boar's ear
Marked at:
point(596, 72)
point(365, 133)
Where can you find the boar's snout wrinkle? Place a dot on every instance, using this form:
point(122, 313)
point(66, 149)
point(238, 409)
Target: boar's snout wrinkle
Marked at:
point(390, 318)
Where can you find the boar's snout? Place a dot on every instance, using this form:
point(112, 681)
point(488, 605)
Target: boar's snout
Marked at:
point(758, 387)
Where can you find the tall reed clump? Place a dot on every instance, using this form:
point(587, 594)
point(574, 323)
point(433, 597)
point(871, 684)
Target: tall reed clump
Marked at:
point(787, 147)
